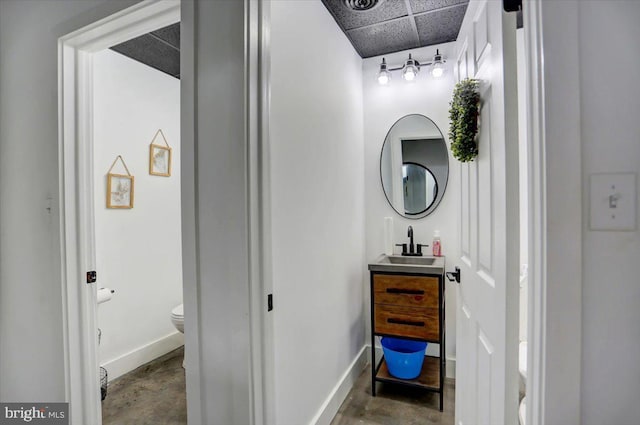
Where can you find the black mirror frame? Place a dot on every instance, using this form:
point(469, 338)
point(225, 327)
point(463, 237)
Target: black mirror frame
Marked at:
point(435, 182)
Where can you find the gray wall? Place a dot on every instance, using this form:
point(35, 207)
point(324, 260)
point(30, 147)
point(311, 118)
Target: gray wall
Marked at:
point(317, 221)
point(31, 336)
point(592, 291)
point(610, 132)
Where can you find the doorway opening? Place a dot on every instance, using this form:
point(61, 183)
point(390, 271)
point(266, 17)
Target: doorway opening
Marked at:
point(137, 224)
point(106, 117)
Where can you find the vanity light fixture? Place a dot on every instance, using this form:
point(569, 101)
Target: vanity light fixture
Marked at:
point(410, 69)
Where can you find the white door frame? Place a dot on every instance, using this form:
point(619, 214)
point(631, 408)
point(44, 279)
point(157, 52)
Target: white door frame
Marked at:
point(555, 257)
point(75, 139)
point(263, 350)
point(536, 249)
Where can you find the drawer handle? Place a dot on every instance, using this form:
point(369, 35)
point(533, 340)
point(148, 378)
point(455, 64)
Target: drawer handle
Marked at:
point(405, 322)
point(405, 291)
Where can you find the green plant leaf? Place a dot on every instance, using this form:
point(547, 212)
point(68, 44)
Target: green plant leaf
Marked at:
point(463, 115)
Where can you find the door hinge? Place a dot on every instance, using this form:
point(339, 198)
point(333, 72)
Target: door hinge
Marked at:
point(512, 5)
point(92, 276)
point(269, 302)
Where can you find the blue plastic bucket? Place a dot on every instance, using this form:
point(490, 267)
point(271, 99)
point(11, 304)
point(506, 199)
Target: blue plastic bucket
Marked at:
point(404, 357)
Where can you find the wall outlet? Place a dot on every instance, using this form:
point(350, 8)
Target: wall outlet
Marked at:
point(613, 201)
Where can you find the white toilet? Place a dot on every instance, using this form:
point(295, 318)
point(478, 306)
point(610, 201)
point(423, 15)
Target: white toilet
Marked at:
point(522, 368)
point(522, 412)
point(522, 362)
point(177, 318)
point(522, 349)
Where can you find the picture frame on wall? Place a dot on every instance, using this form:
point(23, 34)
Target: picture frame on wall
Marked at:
point(119, 187)
point(160, 157)
point(159, 160)
point(119, 191)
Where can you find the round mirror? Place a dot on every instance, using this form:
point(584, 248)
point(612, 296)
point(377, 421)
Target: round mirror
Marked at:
point(414, 166)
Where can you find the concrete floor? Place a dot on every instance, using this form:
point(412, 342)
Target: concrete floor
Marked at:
point(395, 405)
point(155, 394)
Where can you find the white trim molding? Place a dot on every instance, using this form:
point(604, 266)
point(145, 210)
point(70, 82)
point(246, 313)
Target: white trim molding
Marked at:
point(261, 284)
point(450, 367)
point(330, 407)
point(555, 221)
point(188, 191)
point(537, 237)
point(142, 355)
point(260, 281)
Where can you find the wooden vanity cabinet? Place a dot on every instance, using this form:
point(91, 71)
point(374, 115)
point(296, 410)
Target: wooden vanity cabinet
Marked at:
point(409, 306)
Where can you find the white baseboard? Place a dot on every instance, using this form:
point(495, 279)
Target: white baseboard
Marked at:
point(450, 370)
point(331, 405)
point(136, 358)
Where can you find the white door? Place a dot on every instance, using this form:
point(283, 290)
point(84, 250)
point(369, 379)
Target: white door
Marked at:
point(487, 320)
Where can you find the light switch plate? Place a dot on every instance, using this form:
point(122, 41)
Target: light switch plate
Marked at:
point(613, 201)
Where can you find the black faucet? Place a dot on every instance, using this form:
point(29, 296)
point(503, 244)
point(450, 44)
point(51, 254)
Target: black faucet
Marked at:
point(410, 234)
point(415, 250)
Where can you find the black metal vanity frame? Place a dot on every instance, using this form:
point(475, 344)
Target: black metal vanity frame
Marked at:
point(375, 366)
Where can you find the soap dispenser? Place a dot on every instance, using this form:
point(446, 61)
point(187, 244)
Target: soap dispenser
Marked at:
point(437, 246)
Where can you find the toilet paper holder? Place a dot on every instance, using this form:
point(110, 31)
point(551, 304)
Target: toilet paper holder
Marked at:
point(104, 295)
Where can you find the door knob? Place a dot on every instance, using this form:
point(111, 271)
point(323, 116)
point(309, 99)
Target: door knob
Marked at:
point(454, 276)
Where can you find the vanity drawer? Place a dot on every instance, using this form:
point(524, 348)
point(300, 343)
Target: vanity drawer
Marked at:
point(414, 291)
point(409, 322)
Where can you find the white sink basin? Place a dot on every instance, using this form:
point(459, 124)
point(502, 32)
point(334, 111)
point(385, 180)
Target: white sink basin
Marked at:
point(408, 264)
point(395, 259)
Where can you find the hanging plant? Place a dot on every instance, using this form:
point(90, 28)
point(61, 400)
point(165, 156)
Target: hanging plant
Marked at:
point(464, 111)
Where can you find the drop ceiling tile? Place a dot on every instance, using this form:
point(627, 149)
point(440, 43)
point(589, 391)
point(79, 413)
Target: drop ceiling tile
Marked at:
point(440, 26)
point(350, 19)
point(152, 52)
point(170, 34)
point(385, 38)
point(418, 6)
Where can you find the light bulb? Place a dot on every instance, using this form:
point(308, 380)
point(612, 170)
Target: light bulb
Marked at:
point(437, 70)
point(383, 78)
point(384, 75)
point(410, 69)
point(409, 74)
